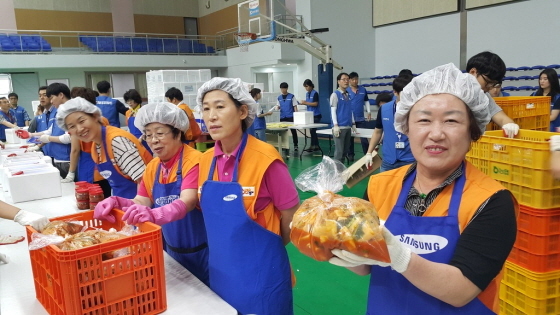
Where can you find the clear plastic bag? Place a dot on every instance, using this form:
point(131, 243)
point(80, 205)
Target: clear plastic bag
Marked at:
point(328, 221)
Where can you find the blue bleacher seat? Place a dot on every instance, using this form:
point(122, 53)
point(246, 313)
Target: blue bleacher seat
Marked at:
point(523, 68)
point(374, 84)
point(535, 77)
point(369, 92)
point(170, 46)
point(186, 46)
point(538, 67)
point(387, 77)
point(139, 44)
point(509, 88)
point(45, 46)
point(553, 66)
point(210, 49)
point(509, 78)
point(7, 46)
point(34, 47)
point(525, 77)
point(155, 45)
point(511, 69)
point(123, 44)
point(524, 87)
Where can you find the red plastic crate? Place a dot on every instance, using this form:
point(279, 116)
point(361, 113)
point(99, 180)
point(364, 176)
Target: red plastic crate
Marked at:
point(534, 262)
point(81, 282)
point(540, 222)
point(538, 244)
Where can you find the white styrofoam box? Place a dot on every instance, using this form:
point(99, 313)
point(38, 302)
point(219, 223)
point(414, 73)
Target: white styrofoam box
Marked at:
point(191, 100)
point(4, 153)
point(193, 76)
point(15, 166)
point(182, 76)
point(205, 75)
point(303, 118)
point(34, 184)
point(34, 106)
point(189, 88)
point(8, 146)
point(12, 138)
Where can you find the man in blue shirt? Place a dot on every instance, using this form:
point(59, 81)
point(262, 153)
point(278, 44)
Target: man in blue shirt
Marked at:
point(22, 117)
point(360, 101)
point(110, 107)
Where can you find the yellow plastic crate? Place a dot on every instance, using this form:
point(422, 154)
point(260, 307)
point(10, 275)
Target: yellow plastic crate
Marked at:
point(540, 123)
point(519, 175)
point(524, 106)
point(528, 305)
point(535, 198)
point(533, 284)
point(529, 148)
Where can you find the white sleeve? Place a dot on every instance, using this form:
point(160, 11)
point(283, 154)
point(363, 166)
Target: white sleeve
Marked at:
point(65, 138)
point(295, 101)
point(366, 104)
point(334, 104)
point(48, 131)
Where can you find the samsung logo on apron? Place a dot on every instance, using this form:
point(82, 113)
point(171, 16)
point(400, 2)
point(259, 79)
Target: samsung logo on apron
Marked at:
point(423, 244)
point(106, 174)
point(162, 201)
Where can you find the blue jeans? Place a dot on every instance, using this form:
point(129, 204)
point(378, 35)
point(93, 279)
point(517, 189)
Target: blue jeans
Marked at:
point(364, 141)
point(387, 167)
point(260, 134)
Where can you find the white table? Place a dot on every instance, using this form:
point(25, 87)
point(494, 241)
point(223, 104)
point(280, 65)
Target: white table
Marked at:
point(185, 293)
point(361, 133)
point(283, 135)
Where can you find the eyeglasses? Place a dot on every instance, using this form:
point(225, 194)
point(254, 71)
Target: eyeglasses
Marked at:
point(489, 83)
point(345, 79)
point(157, 135)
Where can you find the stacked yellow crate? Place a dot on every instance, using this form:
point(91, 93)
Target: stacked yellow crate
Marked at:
point(531, 283)
point(529, 112)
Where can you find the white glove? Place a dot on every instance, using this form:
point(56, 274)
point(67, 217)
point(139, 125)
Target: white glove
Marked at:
point(69, 178)
point(32, 148)
point(354, 130)
point(336, 131)
point(37, 221)
point(398, 252)
point(510, 130)
point(555, 143)
point(4, 258)
point(45, 139)
point(369, 160)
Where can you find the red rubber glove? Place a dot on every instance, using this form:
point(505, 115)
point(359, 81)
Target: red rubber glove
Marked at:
point(104, 207)
point(160, 216)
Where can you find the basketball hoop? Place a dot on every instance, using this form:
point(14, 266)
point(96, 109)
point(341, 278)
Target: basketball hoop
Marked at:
point(244, 39)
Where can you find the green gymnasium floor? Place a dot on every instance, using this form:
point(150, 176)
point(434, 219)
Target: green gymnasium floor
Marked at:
point(321, 288)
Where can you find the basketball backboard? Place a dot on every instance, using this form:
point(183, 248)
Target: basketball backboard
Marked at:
point(256, 16)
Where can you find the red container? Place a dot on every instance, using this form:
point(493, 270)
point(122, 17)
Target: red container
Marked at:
point(80, 282)
point(96, 195)
point(92, 205)
point(82, 205)
point(82, 194)
point(534, 262)
point(541, 222)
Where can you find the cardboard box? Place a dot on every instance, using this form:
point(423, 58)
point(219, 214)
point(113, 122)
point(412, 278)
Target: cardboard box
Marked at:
point(359, 171)
point(35, 183)
point(303, 118)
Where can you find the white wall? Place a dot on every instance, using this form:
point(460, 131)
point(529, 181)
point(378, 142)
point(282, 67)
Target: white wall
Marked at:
point(350, 32)
point(523, 33)
point(417, 45)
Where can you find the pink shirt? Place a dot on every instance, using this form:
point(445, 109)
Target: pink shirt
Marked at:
point(190, 180)
point(277, 185)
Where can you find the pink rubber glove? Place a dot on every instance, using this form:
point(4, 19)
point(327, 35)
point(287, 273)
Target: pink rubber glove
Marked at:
point(104, 207)
point(162, 215)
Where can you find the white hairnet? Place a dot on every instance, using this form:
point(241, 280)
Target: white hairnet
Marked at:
point(235, 88)
point(445, 79)
point(77, 104)
point(163, 113)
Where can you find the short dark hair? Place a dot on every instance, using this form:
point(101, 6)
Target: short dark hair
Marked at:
point(283, 85)
point(353, 75)
point(488, 64)
point(400, 82)
point(383, 97)
point(44, 87)
point(405, 72)
point(255, 91)
point(3, 98)
point(308, 82)
point(103, 86)
point(86, 93)
point(132, 94)
point(174, 93)
point(57, 88)
point(474, 131)
point(13, 94)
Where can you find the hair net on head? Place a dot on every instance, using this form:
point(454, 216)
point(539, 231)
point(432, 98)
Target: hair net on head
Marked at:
point(445, 79)
point(163, 113)
point(77, 104)
point(235, 88)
